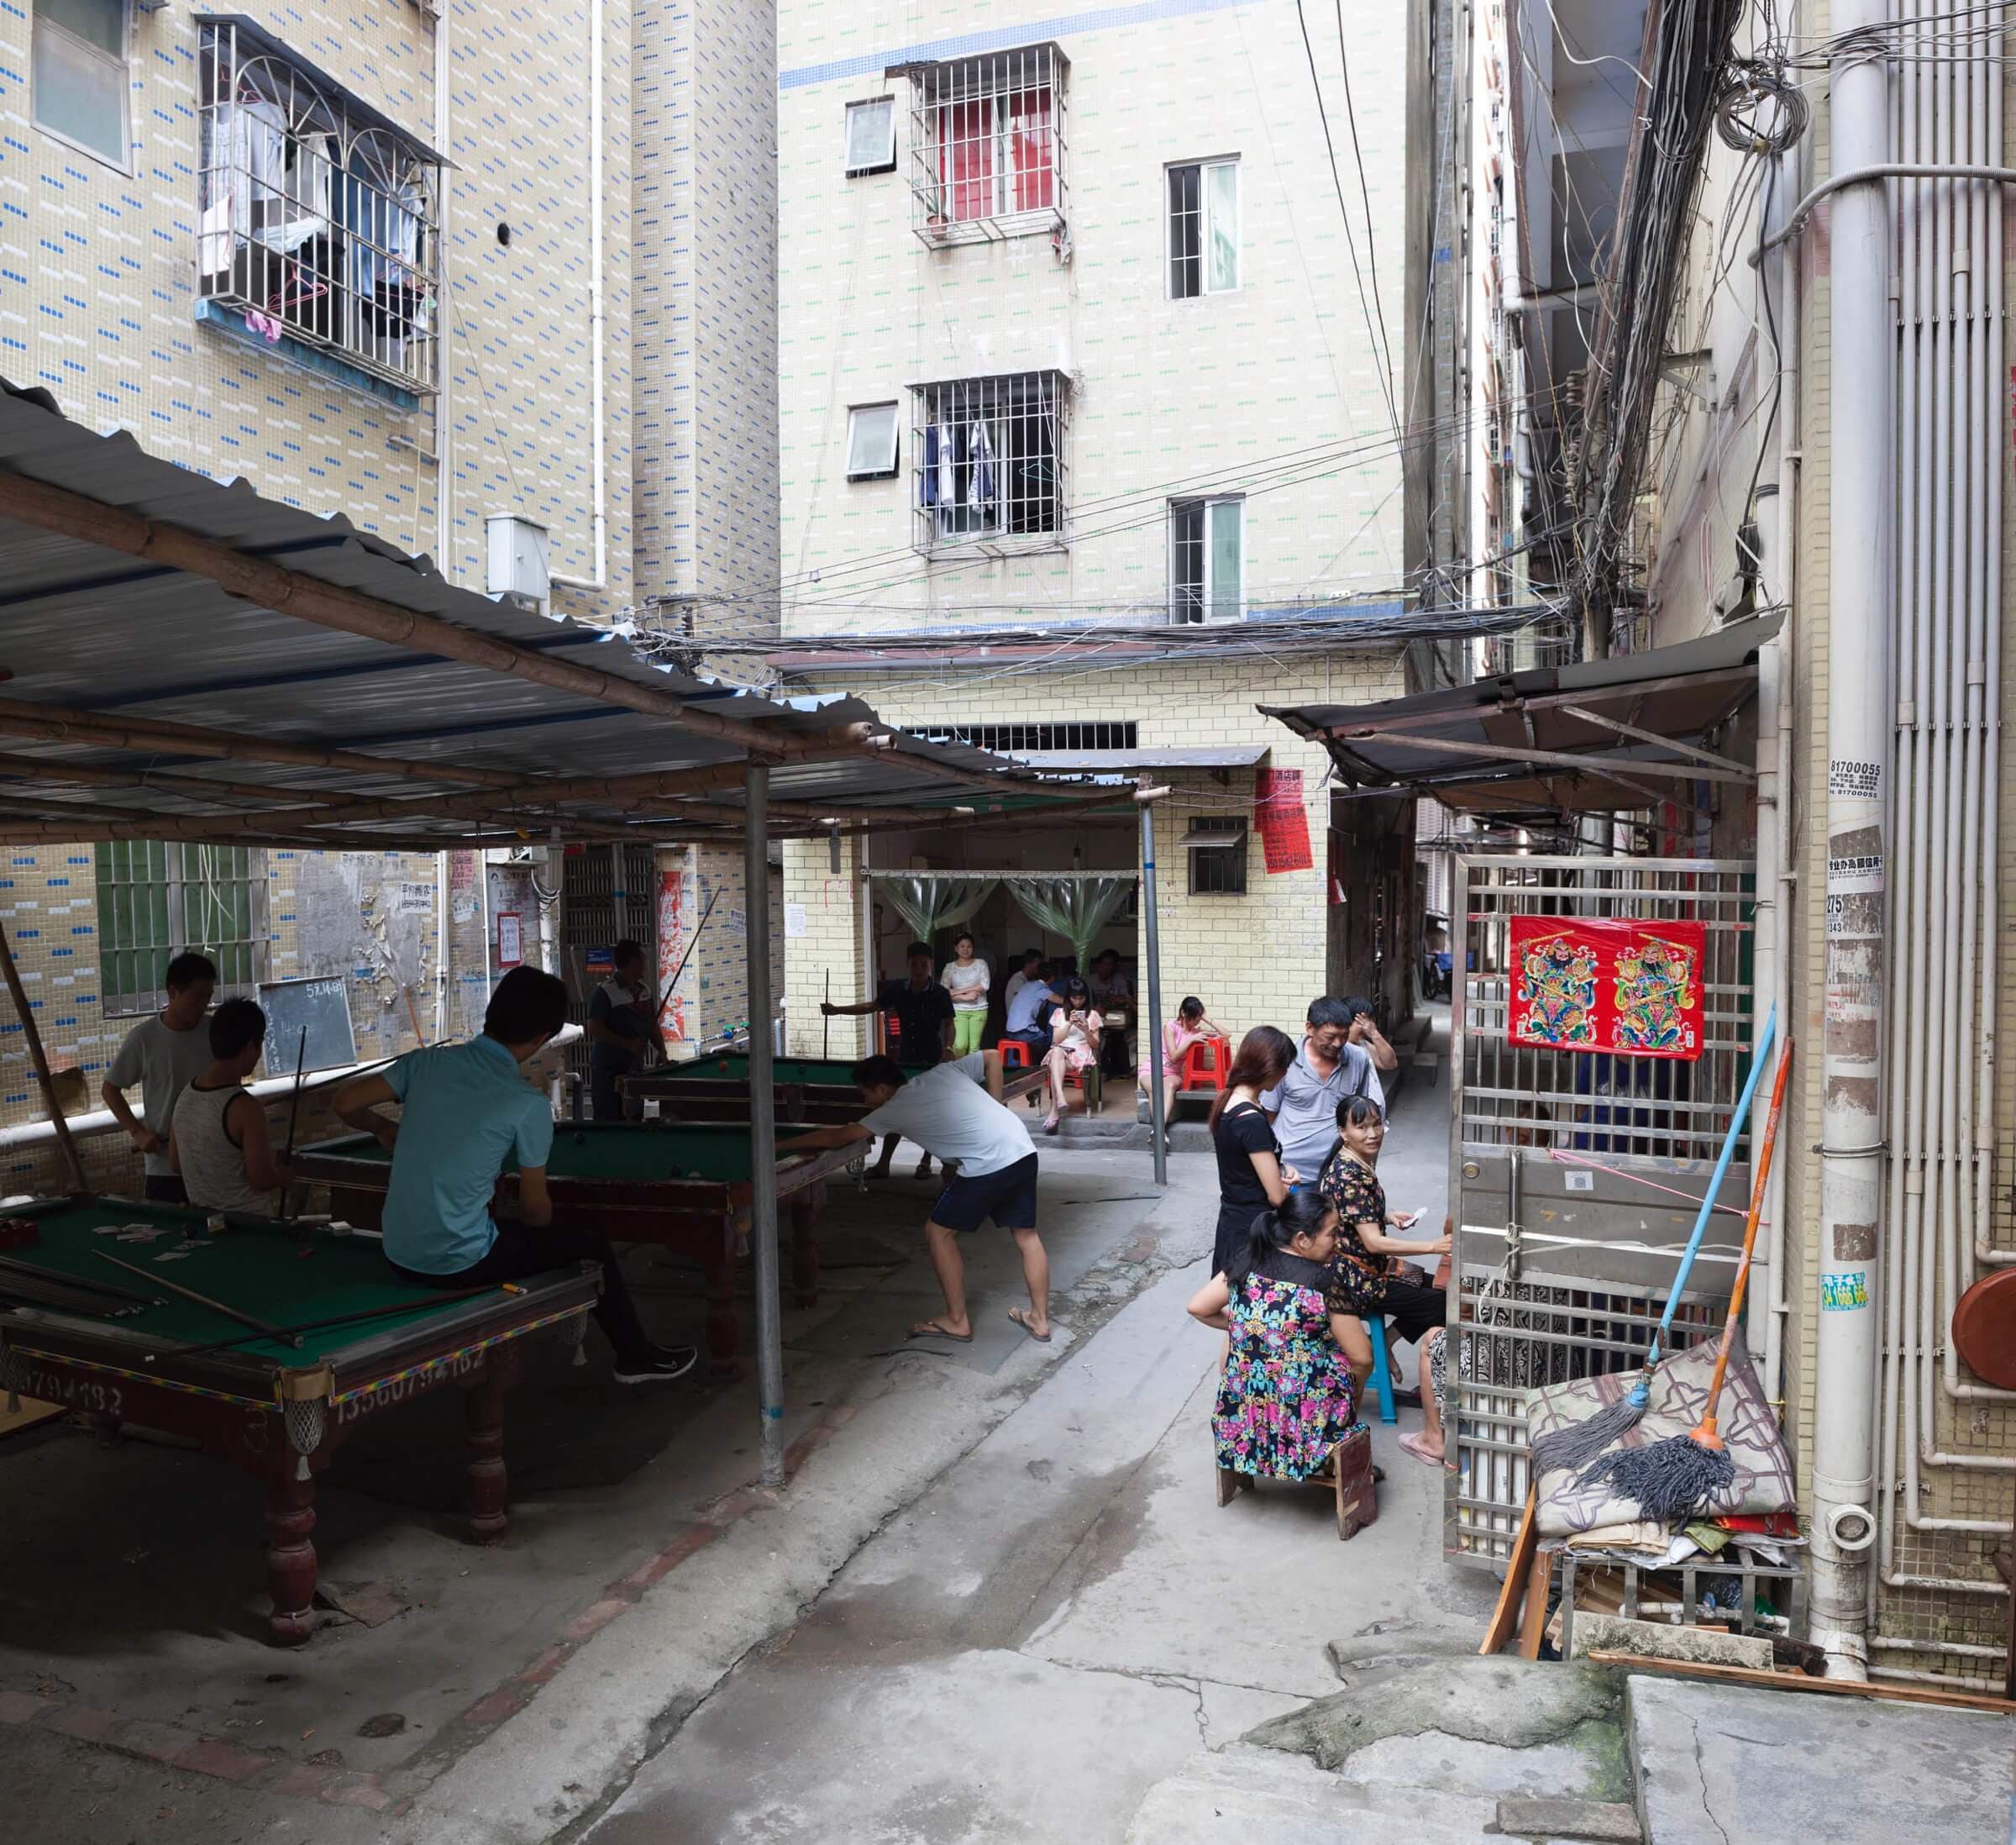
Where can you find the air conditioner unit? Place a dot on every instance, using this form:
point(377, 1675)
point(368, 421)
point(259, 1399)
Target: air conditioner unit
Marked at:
point(518, 574)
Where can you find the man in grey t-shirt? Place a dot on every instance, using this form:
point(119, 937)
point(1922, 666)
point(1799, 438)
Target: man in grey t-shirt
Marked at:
point(1341, 1056)
point(160, 1054)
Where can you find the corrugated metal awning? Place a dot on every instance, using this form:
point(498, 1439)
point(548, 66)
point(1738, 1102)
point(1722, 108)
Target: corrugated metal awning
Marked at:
point(1603, 735)
point(138, 687)
point(1093, 761)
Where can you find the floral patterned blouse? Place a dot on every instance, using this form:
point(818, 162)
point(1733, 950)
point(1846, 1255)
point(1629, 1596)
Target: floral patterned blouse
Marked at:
point(1357, 1278)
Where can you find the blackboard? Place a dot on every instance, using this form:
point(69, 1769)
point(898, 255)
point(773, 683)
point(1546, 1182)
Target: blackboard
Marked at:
point(324, 1007)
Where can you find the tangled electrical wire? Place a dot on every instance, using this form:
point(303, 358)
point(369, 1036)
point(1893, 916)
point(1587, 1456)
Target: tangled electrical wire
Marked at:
point(1759, 110)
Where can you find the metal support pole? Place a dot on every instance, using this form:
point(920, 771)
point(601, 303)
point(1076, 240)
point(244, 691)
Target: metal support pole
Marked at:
point(1154, 945)
point(763, 1120)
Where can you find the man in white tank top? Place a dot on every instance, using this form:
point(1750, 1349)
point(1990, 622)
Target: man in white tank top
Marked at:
point(217, 1141)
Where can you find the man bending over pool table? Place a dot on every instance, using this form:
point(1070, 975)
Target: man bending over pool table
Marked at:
point(465, 1112)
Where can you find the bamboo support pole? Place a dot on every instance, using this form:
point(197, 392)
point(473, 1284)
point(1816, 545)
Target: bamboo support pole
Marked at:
point(39, 1059)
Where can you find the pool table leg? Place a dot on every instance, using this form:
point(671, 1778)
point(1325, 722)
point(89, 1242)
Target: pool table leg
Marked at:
point(290, 1550)
point(722, 1330)
point(805, 1207)
point(483, 1402)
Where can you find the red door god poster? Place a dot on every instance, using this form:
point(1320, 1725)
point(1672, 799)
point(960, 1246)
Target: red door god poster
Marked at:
point(1281, 819)
point(1634, 988)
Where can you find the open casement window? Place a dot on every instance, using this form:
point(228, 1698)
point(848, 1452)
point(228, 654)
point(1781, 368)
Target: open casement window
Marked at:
point(1207, 560)
point(1217, 850)
point(315, 217)
point(1204, 228)
point(988, 459)
point(871, 442)
point(80, 73)
point(156, 898)
point(987, 144)
point(871, 136)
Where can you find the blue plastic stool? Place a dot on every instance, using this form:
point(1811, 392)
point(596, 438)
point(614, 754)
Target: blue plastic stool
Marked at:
point(1382, 1372)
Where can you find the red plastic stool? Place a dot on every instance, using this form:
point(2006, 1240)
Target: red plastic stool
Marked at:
point(1012, 1049)
point(1203, 1067)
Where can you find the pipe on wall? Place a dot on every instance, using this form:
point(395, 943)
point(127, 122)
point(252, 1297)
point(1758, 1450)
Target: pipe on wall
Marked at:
point(598, 317)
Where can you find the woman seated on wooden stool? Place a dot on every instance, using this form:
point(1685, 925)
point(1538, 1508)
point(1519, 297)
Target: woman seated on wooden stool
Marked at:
point(1289, 1394)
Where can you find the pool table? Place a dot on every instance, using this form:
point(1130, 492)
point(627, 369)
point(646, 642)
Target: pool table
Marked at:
point(810, 1091)
point(279, 1407)
point(685, 1187)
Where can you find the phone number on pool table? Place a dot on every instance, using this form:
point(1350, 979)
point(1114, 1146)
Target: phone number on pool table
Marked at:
point(83, 1392)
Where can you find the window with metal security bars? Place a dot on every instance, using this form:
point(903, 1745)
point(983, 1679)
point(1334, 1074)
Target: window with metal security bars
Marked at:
point(871, 136)
point(156, 898)
point(989, 462)
point(316, 220)
point(81, 80)
point(987, 144)
point(1207, 560)
point(1216, 870)
point(1014, 740)
point(1204, 228)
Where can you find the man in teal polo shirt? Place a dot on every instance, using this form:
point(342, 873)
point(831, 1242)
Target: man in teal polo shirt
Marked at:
point(465, 1112)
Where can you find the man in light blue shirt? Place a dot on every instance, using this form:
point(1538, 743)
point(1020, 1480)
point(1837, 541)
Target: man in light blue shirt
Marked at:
point(1026, 1021)
point(465, 1115)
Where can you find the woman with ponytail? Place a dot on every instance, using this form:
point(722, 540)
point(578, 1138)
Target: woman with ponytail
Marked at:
point(1290, 1393)
point(1251, 1173)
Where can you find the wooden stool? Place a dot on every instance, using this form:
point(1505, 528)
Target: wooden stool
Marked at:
point(1348, 1476)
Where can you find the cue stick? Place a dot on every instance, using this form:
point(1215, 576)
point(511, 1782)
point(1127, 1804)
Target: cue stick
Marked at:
point(111, 1289)
point(826, 1022)
point(301, 1058)
point(345, 1319)
point(34, 1036)
point(204, 1299)
point(671, 984)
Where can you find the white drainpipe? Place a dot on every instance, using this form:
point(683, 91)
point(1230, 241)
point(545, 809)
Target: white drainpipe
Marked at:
point(444, 492)
point(1861, 354)
point(599, 580)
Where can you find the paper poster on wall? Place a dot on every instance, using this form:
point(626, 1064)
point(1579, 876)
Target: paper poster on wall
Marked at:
point(409, 898)
point(511, 944)
point(796, 922)
point(1632, 988)
point(1281, 820)
point(671, 949)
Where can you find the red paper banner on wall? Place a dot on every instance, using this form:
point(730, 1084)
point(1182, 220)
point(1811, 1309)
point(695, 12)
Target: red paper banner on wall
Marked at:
point(1281, 819)
point(1634, 988)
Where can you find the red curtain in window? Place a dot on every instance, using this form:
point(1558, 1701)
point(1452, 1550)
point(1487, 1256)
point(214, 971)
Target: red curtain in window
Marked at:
point(1031, 146)
point(966, 159)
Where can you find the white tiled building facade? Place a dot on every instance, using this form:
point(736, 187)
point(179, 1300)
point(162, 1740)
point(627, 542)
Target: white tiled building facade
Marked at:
point(1071, 330)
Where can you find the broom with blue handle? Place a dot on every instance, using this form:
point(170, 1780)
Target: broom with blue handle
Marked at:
point(1579, 1444)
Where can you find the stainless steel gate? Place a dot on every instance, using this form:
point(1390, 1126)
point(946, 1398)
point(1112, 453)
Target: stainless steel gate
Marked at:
point(1575, 1176)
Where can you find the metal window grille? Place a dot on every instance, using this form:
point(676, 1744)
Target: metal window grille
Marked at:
point(156, 899)
point(989, 466)
point(987, 146)
point(1207, 566)
point(1011, 740)
point(313, 223)
point(1218, 871)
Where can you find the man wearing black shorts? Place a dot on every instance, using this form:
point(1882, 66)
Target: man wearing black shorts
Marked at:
point(947, 1112)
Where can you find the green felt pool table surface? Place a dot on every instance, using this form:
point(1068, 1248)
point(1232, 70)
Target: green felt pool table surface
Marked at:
point(637, 1152)
point(257, 1265)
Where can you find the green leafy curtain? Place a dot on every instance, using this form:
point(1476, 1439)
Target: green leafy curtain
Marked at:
point(930, 904)
point(1075, 908)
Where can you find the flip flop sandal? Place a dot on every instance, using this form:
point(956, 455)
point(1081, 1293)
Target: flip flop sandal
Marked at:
point(1411, 1444)
point(925, 1329)
point(1021, 1319)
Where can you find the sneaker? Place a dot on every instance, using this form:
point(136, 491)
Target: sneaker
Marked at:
point(658, 1365)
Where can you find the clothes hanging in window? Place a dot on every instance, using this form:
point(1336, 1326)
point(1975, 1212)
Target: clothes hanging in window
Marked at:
point(979, 450)
point(949, 478)
point(243, 155)
point(927, 478)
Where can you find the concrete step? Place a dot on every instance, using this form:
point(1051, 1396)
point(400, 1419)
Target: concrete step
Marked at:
point(1240, 1795)
point(1717, 1763)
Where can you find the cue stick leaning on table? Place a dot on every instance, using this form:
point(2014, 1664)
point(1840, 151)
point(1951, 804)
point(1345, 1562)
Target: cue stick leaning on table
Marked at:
point(40, 1060)
point(262, 1327)
point(300, 1057)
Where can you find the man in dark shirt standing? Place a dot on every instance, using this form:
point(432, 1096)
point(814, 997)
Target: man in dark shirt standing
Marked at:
point(923, 1013)
point(619, 1028)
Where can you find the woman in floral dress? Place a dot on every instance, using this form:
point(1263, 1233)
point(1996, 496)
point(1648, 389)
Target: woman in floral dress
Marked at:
point(1290, 1388)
